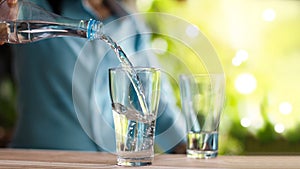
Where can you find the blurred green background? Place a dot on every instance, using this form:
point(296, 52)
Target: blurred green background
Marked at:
point(258, 44)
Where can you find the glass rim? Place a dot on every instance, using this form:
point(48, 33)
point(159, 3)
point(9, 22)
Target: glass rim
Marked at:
point(138, 68)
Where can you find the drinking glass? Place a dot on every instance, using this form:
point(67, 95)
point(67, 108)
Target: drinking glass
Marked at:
point(202, 99)
point(135, 94)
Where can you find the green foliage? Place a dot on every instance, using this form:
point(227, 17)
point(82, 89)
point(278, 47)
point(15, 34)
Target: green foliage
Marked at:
point(7, 104)
point(268, 32)
point(8, 115)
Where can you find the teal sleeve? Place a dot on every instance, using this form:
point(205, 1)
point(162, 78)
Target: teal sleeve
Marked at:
point(63, 97)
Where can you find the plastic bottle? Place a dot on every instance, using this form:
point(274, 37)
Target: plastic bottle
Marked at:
point(26, 22)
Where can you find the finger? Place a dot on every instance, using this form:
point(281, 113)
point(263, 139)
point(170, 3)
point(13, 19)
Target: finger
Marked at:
point(3, 33)
point(11, 3)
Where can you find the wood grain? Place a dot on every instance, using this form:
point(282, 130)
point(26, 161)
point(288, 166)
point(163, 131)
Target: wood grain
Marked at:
point(26, 158)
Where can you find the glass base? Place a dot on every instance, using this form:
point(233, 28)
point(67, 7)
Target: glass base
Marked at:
point(201, 154)
point(135, 161)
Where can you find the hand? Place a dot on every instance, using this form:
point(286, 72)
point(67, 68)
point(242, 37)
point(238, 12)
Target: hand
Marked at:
point(7, 12)
point(98, 7)
point(3, 33)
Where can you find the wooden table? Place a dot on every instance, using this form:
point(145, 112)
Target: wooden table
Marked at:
point(17, 158)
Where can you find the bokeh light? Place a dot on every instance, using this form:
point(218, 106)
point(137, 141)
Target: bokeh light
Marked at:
point(285, 107)
point(269, 15)
point(240, 57)
point(192, 31)
point(160, 44)
point(245, 83)
point(279, 128)
point(245, 122)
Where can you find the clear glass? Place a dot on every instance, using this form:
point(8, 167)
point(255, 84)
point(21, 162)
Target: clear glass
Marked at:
point(202, 99)
point(134, 127)
point(26, 22)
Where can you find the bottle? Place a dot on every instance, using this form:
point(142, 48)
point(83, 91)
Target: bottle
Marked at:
point(26, 22)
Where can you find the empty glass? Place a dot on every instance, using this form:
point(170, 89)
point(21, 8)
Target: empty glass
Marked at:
point(202, 99)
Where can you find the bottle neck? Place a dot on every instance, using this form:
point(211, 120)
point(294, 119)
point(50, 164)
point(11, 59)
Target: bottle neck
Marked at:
point(94, 29)
point(89, 29)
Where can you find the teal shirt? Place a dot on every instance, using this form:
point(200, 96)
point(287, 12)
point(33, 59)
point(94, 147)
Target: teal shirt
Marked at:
point(63, 94)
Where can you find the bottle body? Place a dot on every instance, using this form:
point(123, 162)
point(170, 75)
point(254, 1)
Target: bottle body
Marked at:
point(29, 23)
point(31, 30)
